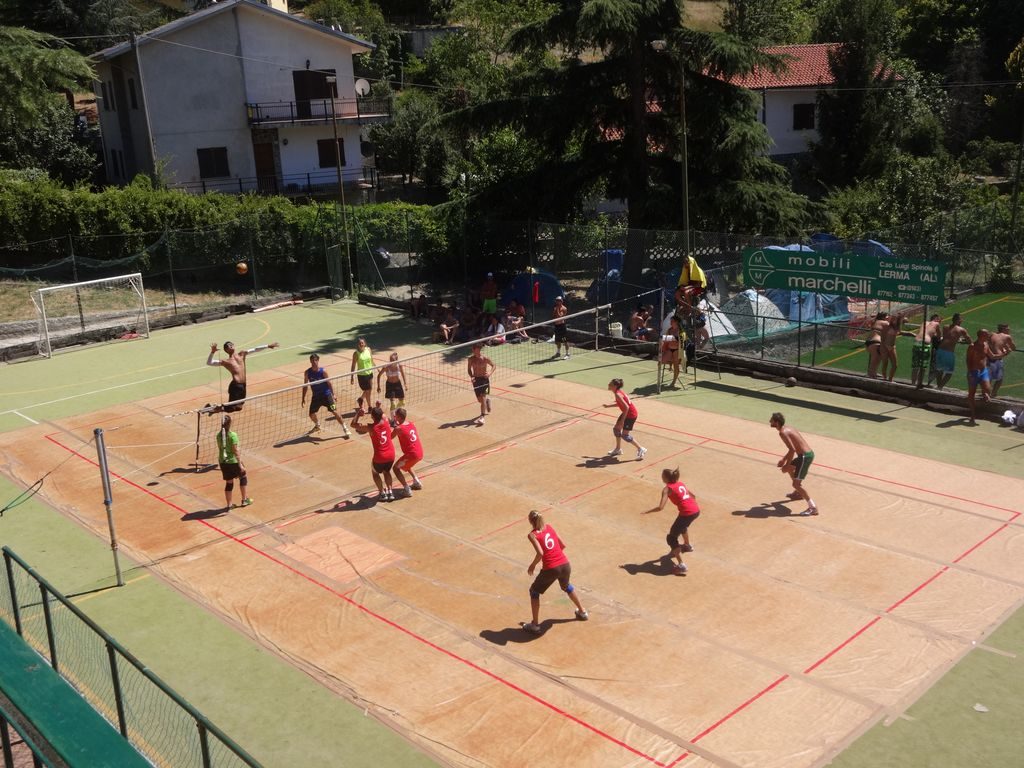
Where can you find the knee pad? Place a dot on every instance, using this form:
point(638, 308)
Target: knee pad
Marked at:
point(534, 594)
point(616, 431)
point(570, 589)
point(401, 402)
point(672, 543)
point(229, 486)
point(243, 480)
point(628, 438)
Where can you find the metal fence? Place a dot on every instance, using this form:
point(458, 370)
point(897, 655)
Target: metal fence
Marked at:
point(159, 723)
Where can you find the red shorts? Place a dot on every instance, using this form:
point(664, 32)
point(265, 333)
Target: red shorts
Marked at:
point(408, 461)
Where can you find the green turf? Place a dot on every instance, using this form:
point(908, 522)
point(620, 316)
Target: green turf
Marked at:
point(984, 310)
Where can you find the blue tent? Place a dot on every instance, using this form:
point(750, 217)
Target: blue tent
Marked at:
point(521, 289)
point(607, 289)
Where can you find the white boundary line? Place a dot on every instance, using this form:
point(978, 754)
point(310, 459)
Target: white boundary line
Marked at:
point(27, 418)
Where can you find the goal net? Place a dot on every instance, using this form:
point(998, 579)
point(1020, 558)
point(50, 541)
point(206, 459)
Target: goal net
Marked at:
point(93, 311)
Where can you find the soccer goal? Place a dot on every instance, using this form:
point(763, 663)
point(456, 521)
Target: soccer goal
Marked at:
point(92, 311)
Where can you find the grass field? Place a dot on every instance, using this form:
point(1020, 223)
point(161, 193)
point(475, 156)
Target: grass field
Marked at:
point(984, 310)
point(16, 299)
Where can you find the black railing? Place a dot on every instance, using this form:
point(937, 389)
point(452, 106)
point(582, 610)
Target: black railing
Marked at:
point(320, 111)
point(314, 183)
point(159, 723)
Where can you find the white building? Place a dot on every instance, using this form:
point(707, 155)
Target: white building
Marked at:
point(789, 99)
point(238, 97)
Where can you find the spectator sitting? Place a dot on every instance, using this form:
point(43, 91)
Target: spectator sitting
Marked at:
point(638, 327)
point(468, 323)
point(514, 321)
point(447, 328)
point(418, 307)
point(496, 329)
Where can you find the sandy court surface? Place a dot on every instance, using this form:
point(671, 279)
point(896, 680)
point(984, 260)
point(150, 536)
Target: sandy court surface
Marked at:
point(788, 637)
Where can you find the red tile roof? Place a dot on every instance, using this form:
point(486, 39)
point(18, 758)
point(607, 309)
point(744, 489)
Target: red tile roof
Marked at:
point(806, 66)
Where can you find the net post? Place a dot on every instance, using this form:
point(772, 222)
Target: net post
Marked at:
point(145, 308)
point(108, 500)
point(46, 325)
point(199, 421)
point(597, 329)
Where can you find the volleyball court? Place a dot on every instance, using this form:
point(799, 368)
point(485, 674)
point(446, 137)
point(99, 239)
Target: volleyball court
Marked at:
point(788, 637)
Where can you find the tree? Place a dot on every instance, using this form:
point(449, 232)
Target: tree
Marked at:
point(858, 125)
point(56, 142)
point(496, 21)
point(401, 144)
point(607, 114)
point(768, 22)
point(34, 67)
point(93, 24)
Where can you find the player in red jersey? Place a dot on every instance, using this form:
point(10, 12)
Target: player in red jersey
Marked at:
point(689, 511)
point(624, 424)
point(383, 448)
point(549, 549)
point(412, 451)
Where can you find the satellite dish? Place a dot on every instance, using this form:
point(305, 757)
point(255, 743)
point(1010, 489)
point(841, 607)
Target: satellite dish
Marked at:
point(362, 87)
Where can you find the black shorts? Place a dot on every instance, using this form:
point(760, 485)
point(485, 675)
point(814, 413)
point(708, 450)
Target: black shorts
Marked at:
point(326, 400)
point(549, 576)
point(628, 423)
point(230, 470)
point(679, 527)
point(365, 381)
point(384, 466)
point(481, 385)
point(560, 331)
point(393, 390)
point(236, 391)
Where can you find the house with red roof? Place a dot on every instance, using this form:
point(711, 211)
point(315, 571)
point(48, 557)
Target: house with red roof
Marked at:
point(789, 98)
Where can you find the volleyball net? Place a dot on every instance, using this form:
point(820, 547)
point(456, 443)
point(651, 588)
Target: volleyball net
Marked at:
point(273, 419)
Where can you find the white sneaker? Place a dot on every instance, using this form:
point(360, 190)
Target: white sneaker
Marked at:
point(614, 452)
point(565, 357)
point(640, 453)
point(417, 486)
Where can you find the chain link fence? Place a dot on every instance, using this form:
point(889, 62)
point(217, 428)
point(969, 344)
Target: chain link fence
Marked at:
point(155, 720)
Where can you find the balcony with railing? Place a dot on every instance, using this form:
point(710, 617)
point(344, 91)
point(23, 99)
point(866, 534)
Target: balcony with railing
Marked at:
point(362, 111)
point(315, 184)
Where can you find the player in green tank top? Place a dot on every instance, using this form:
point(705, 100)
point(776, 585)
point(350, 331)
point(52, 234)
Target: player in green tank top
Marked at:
point(231, 467)
point(362, 368)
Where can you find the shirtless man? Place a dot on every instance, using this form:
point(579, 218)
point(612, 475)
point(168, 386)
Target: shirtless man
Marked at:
point(235, 363)
point(489, 295)
point(945, 358)
point(890, 359)
point(479, 369)
point(1000, 344)
point(796, 462)
point(977, 371)
point(874, 343)
point(924, 354)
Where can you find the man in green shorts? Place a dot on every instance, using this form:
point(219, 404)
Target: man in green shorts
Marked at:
point(796, 462)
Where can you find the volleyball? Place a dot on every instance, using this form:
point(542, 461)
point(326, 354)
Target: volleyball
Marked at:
point(241, 267)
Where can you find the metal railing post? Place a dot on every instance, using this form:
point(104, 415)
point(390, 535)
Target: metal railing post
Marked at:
point(115, 680)
point(51, 640)
point(14, 594)
point(5, 741)
point(204, 744)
